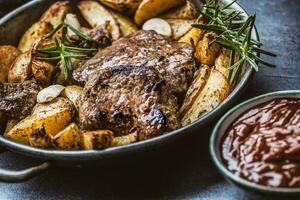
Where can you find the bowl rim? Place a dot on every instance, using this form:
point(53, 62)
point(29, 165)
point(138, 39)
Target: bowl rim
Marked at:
point(216, 134)
point(113, 151)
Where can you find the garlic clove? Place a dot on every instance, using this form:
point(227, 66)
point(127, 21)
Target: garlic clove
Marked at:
point(161, 26)
point(49, 93)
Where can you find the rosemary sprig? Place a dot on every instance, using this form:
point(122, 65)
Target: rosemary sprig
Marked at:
point(64, 49)
point(234, 34)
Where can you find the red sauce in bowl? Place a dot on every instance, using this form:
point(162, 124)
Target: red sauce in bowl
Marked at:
point(263, 144)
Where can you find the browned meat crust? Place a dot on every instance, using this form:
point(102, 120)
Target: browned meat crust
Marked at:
point(133, 85)
point(18, 99)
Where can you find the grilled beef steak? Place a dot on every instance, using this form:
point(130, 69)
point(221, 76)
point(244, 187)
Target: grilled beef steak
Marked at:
point(18, 99)
point(133, 85)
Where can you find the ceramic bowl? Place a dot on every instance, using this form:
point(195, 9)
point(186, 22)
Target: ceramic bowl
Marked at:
point(221, 128)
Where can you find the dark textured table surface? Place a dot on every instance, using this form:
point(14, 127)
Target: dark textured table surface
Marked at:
point(184, 169)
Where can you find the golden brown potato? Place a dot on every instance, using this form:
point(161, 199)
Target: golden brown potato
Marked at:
point(54, 116)
point(126, 139)
point(180, 27)
point(127, 6)
point(72, 92)
point(35, 32)
point(68, 139)
point(21, 68)
point(42, 71)
point(222, 62)
point(126, 24)
point(152, 8)
point(200, 79)
point(56, 13)
point(97, 139)
point(39, 138)
point(8, 55)
point(186, 11)
point(206, 50)
point(96, 15)
point(213, 94)
point(193, 36)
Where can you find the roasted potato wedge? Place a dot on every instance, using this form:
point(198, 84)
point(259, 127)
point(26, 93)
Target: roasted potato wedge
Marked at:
point(72, 92)
point(193, 36)
point(68, 139)
point(36, 31)
point(213, 94)
point(186, 11)
point(54, 116)
point(126, 139)
point(126, 24)
point(73, 21)
point(207, 52)
point(56, 13)
point(97, 139)
point(200, 79)
point(152, 8)
point(21, 68)
point(96, 15)
point(8, 55)
point(127, 6)
point(42, 71)
point(180, 27)
point(222, 62)
point(39, 138)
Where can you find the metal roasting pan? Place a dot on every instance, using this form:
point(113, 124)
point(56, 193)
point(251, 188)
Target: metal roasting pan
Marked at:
point(12, 26)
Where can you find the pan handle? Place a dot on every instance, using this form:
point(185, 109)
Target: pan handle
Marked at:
point(21, 175)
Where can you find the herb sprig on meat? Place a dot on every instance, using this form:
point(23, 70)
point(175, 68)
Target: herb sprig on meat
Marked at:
point(234, 34)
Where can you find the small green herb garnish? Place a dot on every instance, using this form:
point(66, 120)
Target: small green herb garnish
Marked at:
point(65, 49)
point(234, 34)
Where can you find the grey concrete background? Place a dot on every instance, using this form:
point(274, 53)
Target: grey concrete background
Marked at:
point(184, 169)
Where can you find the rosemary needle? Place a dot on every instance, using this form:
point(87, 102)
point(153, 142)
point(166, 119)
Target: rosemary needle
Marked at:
point(235, 35)
point(64, 49)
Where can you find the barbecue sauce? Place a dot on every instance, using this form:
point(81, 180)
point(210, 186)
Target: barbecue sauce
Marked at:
point(263, 144)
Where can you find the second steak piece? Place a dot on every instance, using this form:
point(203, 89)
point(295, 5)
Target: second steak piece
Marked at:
point(134, 85)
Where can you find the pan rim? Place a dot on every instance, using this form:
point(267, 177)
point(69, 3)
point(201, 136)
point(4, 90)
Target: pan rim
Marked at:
point(140, 145)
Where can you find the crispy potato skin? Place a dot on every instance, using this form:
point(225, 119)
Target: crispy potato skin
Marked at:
point(127, 6)
point(193, 36)
point(200, 78)
point(180, 27)
point(95, 14)
point(42, 71)
point(126, 24)
point(39, 138)
point(54, 116)
point(35, 32)
point(222, 62)
point(21, 68)
point(8, 55)
point(97, 139)
point(213, 94)
point(56, 13)
point(206, 53)
point(68, 139)
point(152, 8)
point(126, 139)
point(187, 11)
